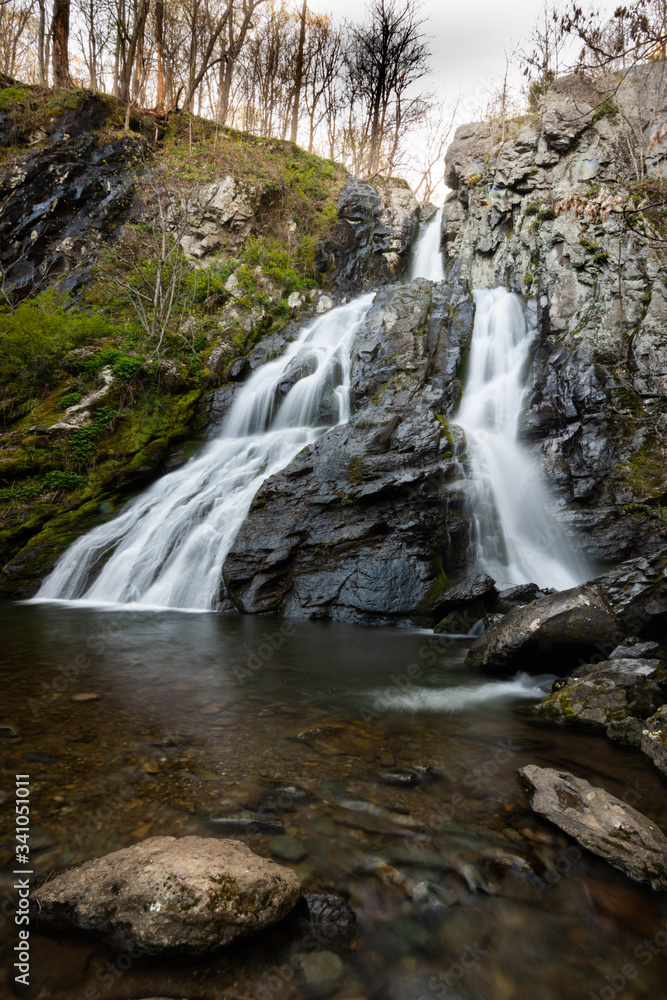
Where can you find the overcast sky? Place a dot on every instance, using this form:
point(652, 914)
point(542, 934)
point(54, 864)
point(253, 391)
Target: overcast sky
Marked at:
point(468, 40)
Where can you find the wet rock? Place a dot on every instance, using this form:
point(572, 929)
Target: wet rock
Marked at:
point(322, 973)
point(243, 825)
point(637, 591)
point(465, 603)
point(9, 731)
point(524, 593)
point(632, 649)
point(329, 918)
point(462, 621)
point(654, 740)
point(600, 822)
point(467, 591)
point(377, 225)
point(408, 777)
point(287, 848)
point(355, 740)
point(628, 732)
point(354, 529)
point(552, 633)
point(164, 894)
point(604, 694)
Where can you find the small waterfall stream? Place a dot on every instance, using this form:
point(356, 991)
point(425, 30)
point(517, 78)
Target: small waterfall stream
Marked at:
point(167, 547)
point(516, 537)
point(427, 261)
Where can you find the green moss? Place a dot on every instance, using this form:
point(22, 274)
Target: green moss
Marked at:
point(11, 96)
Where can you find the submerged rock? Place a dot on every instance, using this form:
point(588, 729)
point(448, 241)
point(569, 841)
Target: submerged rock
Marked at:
point(192, 894)
point(605, 693)
point(600, 822)
point(551, 633)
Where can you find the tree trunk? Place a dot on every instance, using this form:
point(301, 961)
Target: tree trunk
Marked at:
point(60, 35)
point(159, 41)
point(298, 78)
point(41, 52)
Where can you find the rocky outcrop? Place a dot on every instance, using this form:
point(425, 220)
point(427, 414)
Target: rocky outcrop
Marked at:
point(191, 894)
point(534, 209)
point(609, 692)
point(600, 822)
point(377, 225)
point(552, 633)
point(360, 525)
point(63, 201)
point(216, 213)
point(637, 591)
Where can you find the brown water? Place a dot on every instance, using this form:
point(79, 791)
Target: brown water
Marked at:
point(458, 890)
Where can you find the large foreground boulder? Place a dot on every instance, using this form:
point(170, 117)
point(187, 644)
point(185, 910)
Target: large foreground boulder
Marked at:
point(600, 822)
point(609, 692)
point(192, 894)
point(553, 633)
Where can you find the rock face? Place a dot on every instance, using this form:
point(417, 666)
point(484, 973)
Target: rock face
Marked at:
point(65, 200)
point(191, 894)
point(534, 211)
point(359, 526)
point(637, 591)
point(218, 211)
point(377, 225)
point(552, 633)
point(600, 822)
point(609, 692)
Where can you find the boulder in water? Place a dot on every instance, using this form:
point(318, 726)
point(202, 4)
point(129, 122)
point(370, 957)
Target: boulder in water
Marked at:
point(553, 633)
point(606, 693)
point(192, 894)
point(478, 590)
point(600, 822)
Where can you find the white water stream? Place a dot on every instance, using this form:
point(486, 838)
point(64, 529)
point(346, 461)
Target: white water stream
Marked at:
point(428, 262)
point(516, 534)
point(167, 548)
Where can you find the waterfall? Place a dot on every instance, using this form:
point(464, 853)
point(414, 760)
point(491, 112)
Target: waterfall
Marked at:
point(168, 546)
point(515, 534)
point(428, 261)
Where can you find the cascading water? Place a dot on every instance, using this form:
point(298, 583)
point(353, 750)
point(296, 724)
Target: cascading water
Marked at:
point(516, 537)
point(428, 261)
point(167, 548)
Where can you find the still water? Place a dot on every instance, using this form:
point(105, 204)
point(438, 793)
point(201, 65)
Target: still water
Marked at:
point(399, 795)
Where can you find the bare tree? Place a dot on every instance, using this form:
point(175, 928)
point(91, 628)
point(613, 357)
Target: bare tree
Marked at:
point(385, 58)
point(542, 61)
point(634, 34)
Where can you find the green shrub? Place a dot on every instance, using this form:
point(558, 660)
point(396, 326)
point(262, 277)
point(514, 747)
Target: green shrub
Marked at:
point(36, 336)
point(59, 479)
point(126, 367)
point(83, 439)
point(70, 399)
